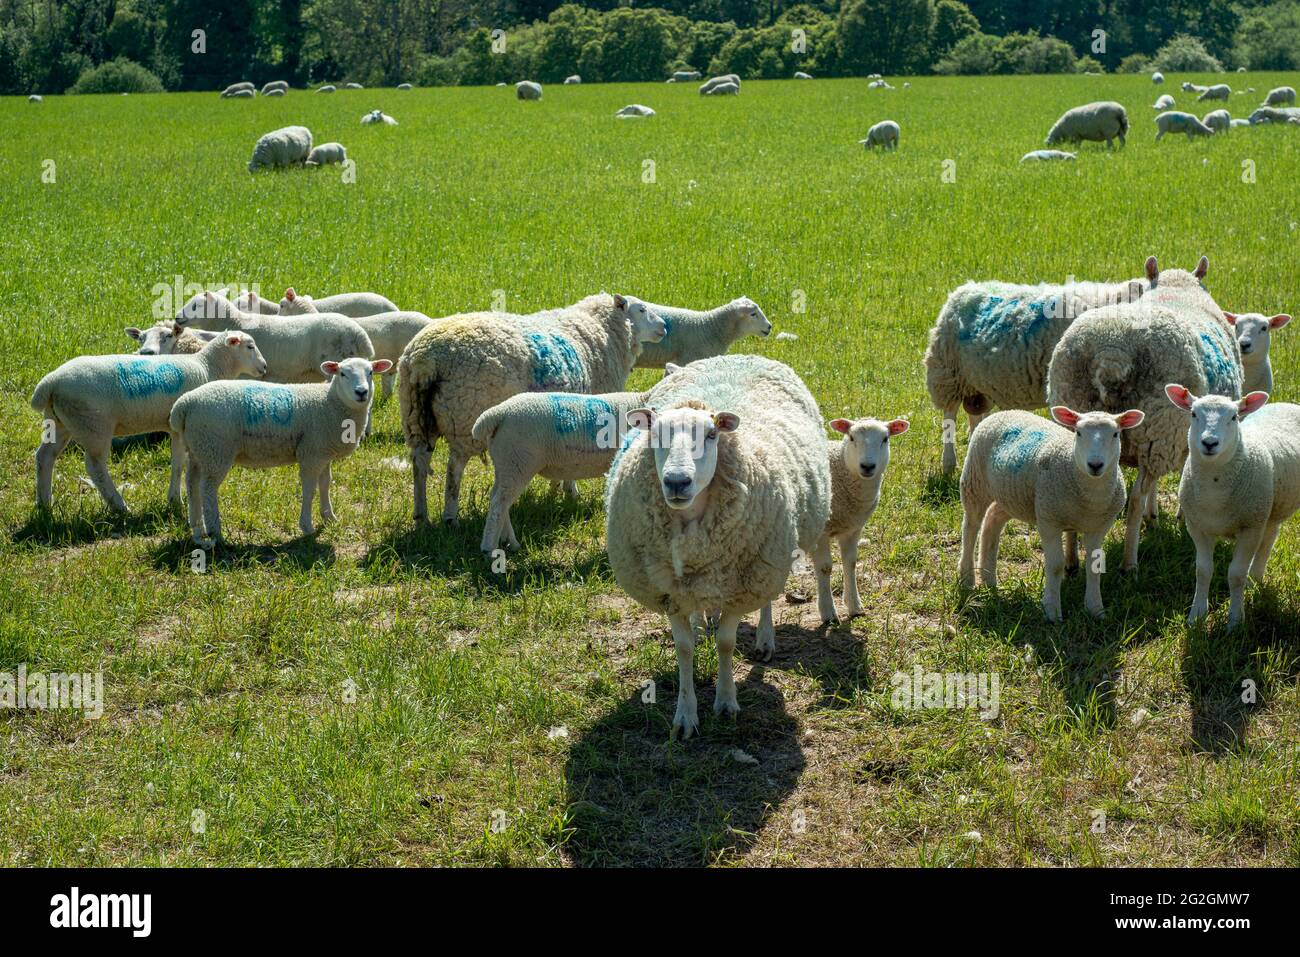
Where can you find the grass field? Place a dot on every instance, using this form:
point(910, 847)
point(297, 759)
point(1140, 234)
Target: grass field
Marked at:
point(499, 719)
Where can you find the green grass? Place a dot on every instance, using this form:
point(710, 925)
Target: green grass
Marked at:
point(225, 692)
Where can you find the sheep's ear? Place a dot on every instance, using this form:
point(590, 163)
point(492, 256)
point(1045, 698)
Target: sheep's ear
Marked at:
point(1180, 396)
point(1278, 321)
point(640, 418)
point(726, 421)
point(329, 368)
point(290, 294)
point(670, 368)
point(1135, 290)
point(381, 365)
point(1231, 317)
point(1131, 419)
point(1065, 416)
point(899, 426)
point(234, 340)
point(1251, 403)
point(841, 426)
point(1202, 267)
point(134, 333)
point(1153, 269)
point(620, 301)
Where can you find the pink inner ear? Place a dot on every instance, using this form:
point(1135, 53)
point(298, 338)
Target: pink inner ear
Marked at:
point(1252, 402)
point(1231, 317)
point(1278, 321)
point(841, 425)
point(898, 427)
point(1179, 396)
point(1064, 416)
point(1129, 419)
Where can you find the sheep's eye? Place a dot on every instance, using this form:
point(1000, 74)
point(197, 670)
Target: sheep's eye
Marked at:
point(885, 440)
point(712, 434)
point(1116, 435)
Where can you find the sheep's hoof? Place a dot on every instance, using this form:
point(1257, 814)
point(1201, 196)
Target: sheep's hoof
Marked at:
point(685, 724)
point(722, 706)
point(765, 647)
point(204, 542)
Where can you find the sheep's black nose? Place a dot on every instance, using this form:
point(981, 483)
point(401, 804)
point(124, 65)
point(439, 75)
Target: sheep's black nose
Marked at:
point(868, 470)
point(1210, 445)
point(1096, 467)
point(677, 485)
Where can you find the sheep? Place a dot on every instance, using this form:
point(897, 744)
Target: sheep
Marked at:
point(237, 88)
point(1034, 156)
point(1189, 87)
point(223, 424)
point(883, 134)
point(378, 116)
point(573, 80)
point(1280, 96)
point(1218, 120)
point(724, 89)
point(1240, 122)
point(327, 88)
point(286, 146)
point(1176, 121)
point(1119, 357)
point(251, 301)
point(708, 85)
point(281, 85)
point(1241, 481)
point(1157, 77)
point(293, 350)
point(695, 335)
point(405, 86)
point(687, 76)
point(35, 98)
point(992, 341)
point(1103, 120)
point(1220, 91)
point(353, 86)
point(460, 366)
point(634, 109)
point(1164, 102)
point(528, 90)
point(353, 304)
point(1253, 331)
point(879, 85)
point(800, 75)
point(1062, 477)
point(90, 399)
point(239, 94)
point(274, 93)
point(706, 510)
point(167, 338)
point(327, 153)
point(1272, 114)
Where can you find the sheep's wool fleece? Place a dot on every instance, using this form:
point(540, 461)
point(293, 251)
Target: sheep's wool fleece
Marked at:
point(282, 147)
point(770, 495)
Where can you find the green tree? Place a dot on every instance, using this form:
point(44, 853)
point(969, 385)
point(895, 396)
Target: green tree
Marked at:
point(884, 36)
point(953, 22)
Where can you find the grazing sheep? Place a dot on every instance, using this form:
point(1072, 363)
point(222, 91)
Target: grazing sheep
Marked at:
point(404, 86)
point(1103, 120)
point(695, 335)
point(353, 86)
point(280, 85)
point(1164, 102)
point(274, 93)
point(879, 85)
point(293, 350)
point(236, 88)
point(460, 366)
point(1034, 156)
point(166, 337)
point(35, 98)
point(378, 116)
point(287, 146)
point(1241, 481)
point(724, 89)
point(1240, 122)
point(1253, 331)
point(327, 88)
point(710, 84)
point(573, 80)
point(1274, 114)
point(1176, 121)
point(706, 507)
point(327, 153)
point(1189, 87)
point(1063, 478)
point(687, 76)
point(800, 75)
point(1157, 77)
point(992, 342)
point(884, 134)
point(1220, 91)
point(1218, 120)
point(90, 399)
point(528, 90)
point(353, 304)
point(1280, 96)
point(239, 94)
point(1120, 357)
point(635, 109)
point(223, 424)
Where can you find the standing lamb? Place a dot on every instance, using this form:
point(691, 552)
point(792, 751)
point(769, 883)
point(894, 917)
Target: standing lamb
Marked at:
point(1104, 120)
point(93, 398)
point(698, 335)
point(1120, 357)
point(1253, 334)
point(528, 90)
point(354, 304)
point(1061, 477)
point(283, 147)
point(1220, 91)
point(1163, 102)
point(224, 424)
point(993, 341)
point(1176, 121)
point(883, 134)
point(1218, 120)
point(1280, 96)
point(706, 508)
point(1241, 481)
point(327, 153)
point(461, 366)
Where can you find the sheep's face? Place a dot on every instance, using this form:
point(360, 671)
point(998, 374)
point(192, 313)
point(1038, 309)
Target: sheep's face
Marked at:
point(248, 358)
point(158, 340)
point(1215, 430)
point(755, 323)
point(1097, 438)
point(295, 305)
point(1252, 331)
point(353, 380)
point(646, 325)
point(204, 307)
point(685, 443)
point(250, 301)
point(865, 447)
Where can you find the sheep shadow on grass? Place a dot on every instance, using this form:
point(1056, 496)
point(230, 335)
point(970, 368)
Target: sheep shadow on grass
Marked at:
point(93, 524)
point(296, 555)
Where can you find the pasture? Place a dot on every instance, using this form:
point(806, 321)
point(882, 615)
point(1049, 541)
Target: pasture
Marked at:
point(378, 695)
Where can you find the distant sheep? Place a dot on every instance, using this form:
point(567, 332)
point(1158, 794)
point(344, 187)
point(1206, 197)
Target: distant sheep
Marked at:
point(800, 75)
point(573, 80)
point(1274, 114)
point(1164, 102)
point(1157, 77)
point(884, 134)
point(528, 90)
point(1220, 91)
point(404, 86)
point(1218, 120)
point(708, 85)
point(235, 88)
point(1176, 121)
point(327, 153)
point(327, 88)
point(1034, 156)
point(686, 76)
point(635, 109)
point(35, 98)
point(287, 146)
point(1280, 96)
point(1189, 87)
point(378, 116)
point(724, 89)
point(239, 94)
point(1104, 120)
point(280, 85)
point(353, 86)
point(274, 93)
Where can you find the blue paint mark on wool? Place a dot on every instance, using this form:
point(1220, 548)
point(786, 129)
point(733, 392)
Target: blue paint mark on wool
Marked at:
point(584, 414)
point(998, 319)
point(556, 365)
point(141, 378)
point(1017, 448)
point(1218, 367)
point(267, 404)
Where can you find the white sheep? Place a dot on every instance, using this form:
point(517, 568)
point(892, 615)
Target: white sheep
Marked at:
point(405, 86)
point(800, 75)
point(1104, 120)
point(1163, 102)
point(223, 424)
point(1176, 121)
point(274, 93)
point(90, 399)
point(353, 86)
point(883, 134)
point(1280, 96)
point(327, 88)
point(287, 146)
point(1157, 77)
point(1241, 481)
point(879, 85)
point(1220, 91)
point(1274, 114)
point(1063, 477)
point(687, 76)
point(293, 350)
point(1038, 156)
point(1253, 331)
point(1240, 122)
point(249, 300)
point(166, 337)
point(706, 507)
point(528, 90)
point(378, 116)
point(235, 88)
point(462, 365)
point(712, 82)
point(327, 153)
point(354, 304)
point(1189, 87)
point(573, 80)
point(35, 98)
point(992, 342)
point(724, 89)
point(635, 109)
point(239, 94)
point(280, 85)
point(1119, 357)
point(695, 335)
point(1218, 120)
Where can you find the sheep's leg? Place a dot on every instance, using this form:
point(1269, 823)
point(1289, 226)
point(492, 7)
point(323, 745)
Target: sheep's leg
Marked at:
point(973, 419)
point(1053, 571)
point(1071, 552)
point(825, 565)
point(1159, 133)
point(995, 519)
point(724, 698)
point(1204, 572)
point(849, 559)
point(194, 499)
point(97, 450)
point(948, 434)
point(766, 643)
point(308, 476)
point(388, 379)
point(506, 489)
point(1260, 563)
point(421, 456)
point(46, 453)
point(1142, 485)
point(1248, 542)
point(1151, 507)
point(571, 490)
point(211, 483)
point(972, 515)
point(686, 721)
point(509, 528)
point(1092, 544)
point(178, 466)
point(323, 485)
point(456, 462)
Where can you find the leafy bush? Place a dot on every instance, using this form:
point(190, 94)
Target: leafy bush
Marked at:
point(1030, 53)
point(1134, 63)
point(117, 76)
point(1088, 64)
point(1270, 39)
point(953, 22)
point(1186, 54)
point(973, 55)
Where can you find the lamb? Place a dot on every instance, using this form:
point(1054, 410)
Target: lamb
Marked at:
point(378, 116)
point(1253, 333)
point(280, 85)
point(249, 300)
point(992, 343)
point(883, 134)
point(283, 147)
point(1189, 87)
point(239, 94)
point(1035, 156)
point(167, 337)
point(35, 98)
point(1240, 122)
point(237, 88)
point(1218, 120)
point(800, 75)
point(223, 424)
point(1164, 102)
point(724, 89)
point(405, 86)
point(1280, 96)
point(528, 90)
point(879, 85)
point(327, 88)
point(706, 510)
point(573, 80)
point(273, 93)
point(1220, 91)
point(1270, 114)
point(698, 335)
point(327, 153)
point(460, 366)
point(1241, 481)
point(93, 398)
point(1176, 121)
point(353, 86)
point(687, 76)
point(1119, 357)
point(1103, 120)
point(1157, 77)
point(1062, 477)
point(635, 109)
point(293, 350)
point(708, 85)
point(354, 304)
